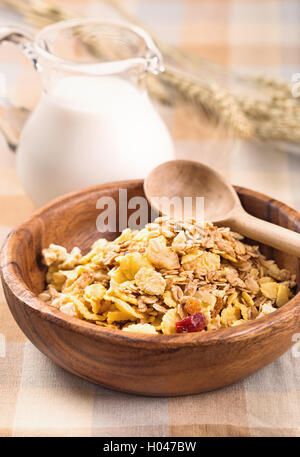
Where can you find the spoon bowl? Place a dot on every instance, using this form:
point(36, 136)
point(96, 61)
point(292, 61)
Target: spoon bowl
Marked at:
point(178, 179)
point(185, 178)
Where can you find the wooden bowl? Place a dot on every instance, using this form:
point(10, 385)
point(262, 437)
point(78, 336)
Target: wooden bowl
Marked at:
point(140, 364)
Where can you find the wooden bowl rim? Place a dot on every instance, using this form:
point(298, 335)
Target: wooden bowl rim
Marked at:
point(11, 277)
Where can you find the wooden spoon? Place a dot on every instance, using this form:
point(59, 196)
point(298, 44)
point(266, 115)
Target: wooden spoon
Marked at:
point(184, 178)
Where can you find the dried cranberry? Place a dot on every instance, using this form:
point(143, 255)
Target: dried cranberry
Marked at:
point(193, 323)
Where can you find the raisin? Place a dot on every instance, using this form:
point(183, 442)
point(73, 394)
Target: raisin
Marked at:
point(194, 323)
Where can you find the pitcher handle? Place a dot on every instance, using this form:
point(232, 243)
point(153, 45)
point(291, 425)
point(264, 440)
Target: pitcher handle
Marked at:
point(19, 115)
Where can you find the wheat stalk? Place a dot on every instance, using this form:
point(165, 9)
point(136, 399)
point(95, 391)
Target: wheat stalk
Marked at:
point(216, 101)
point(40, 13)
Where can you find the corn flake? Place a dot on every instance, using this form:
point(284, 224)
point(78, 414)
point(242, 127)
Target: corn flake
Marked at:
point(141, 328)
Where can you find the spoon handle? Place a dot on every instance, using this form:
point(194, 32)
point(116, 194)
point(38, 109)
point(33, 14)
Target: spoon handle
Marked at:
point(267, 233)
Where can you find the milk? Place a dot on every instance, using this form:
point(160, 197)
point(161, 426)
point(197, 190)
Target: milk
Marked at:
point(87, 131)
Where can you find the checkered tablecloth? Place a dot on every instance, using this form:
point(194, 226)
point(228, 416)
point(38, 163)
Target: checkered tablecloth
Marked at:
point(38, 398)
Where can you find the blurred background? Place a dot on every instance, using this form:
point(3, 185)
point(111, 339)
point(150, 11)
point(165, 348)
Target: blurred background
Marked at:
point(223, 107)
point(225, 43)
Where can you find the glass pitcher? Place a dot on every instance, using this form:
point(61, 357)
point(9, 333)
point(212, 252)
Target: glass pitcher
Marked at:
point(94, 122)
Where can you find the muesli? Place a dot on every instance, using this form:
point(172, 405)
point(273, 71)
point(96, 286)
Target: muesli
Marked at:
point(169, 277)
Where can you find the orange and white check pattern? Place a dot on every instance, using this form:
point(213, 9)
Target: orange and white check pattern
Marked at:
point(38, 398)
